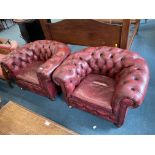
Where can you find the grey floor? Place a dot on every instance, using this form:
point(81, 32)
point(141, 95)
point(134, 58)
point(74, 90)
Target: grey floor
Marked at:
point(138, 121)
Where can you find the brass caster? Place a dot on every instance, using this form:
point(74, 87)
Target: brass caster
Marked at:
point(52, 99)
point(117, 125)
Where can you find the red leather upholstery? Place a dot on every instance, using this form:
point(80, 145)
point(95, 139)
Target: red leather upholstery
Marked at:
point(33, 64)
point(96, 89)
point(127, 79)
point(29, 73)
point(1, 74)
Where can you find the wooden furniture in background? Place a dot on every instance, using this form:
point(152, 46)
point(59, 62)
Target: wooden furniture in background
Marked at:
point(89, 32)
point(17, 120)
point(30, 29)
point(5, 24)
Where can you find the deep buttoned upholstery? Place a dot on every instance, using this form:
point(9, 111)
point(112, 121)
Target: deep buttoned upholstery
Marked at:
point(120, 76)
point(33, 64)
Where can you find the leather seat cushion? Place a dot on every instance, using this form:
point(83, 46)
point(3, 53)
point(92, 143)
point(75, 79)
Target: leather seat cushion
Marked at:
point(96, 90)
point(29, 74)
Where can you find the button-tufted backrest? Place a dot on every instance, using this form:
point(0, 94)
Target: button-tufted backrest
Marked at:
point(40, 50)
point(120, 64)
point(102, 60)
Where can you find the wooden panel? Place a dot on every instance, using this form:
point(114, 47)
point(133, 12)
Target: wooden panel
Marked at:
point(43, 23)
point(125, 33)
point(85, 32)
point(15, 119)
point(115, 21)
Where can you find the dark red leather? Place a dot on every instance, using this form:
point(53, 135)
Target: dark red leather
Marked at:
point(1, 73)
point(128, 75)
point(96, 89)
point(33, 64)
point(29, 73)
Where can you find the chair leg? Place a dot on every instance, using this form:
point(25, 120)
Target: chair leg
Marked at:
point(121, 117)
point(53, 99)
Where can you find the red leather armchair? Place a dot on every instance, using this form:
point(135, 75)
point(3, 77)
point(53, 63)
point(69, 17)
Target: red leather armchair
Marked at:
point(32, 65)
point(104, 81)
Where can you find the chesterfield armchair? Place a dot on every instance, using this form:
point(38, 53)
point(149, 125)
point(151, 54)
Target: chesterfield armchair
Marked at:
point(104, 81)
point(32, 66)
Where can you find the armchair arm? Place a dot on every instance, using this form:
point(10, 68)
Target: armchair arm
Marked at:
point(45, 70)
point(65, 76)
point(131, 84)
point(70, 73)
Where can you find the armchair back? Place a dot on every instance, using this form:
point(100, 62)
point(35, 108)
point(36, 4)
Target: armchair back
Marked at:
point(41, 50)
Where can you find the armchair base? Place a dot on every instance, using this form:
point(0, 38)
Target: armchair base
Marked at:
point(95, 111)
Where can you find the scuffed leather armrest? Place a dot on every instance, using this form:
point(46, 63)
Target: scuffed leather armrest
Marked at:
point(70, 74)
point(45, 70)
point(65, 77)
point(131, 84)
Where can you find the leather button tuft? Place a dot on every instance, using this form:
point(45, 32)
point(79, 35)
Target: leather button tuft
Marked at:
point(133, 89)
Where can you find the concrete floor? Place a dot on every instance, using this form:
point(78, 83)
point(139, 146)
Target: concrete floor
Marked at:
point(138, 121)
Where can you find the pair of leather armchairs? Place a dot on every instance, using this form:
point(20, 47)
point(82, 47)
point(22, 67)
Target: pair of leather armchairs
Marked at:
point(104, 81)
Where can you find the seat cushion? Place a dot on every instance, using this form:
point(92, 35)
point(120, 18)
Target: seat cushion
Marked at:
point(96, 90)
point(29, 74)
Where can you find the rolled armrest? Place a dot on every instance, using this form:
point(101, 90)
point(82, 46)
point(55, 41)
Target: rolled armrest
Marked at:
point(51, 64)
point(70, 74)
point(131, 84)
point(65, 76)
